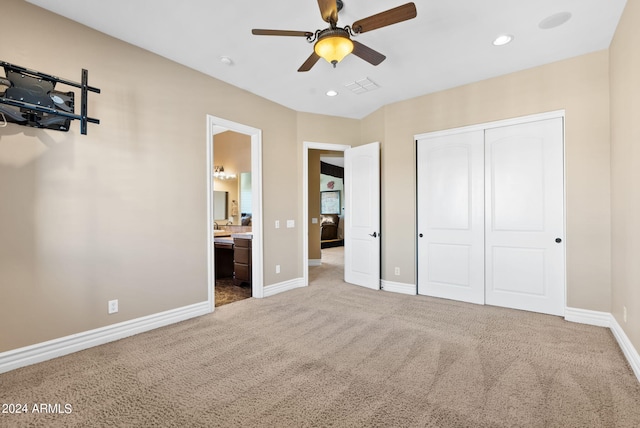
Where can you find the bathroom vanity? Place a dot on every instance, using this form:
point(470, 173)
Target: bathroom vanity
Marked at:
point(233, 256)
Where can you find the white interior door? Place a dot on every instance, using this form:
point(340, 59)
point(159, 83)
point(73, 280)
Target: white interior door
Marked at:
point(451, 217)
point(362, 215)
point(524, 235)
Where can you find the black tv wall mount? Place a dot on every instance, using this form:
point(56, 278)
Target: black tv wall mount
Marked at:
point(31, 100)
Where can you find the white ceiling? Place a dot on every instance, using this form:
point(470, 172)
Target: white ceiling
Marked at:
point(333, 160)
point(447, 45)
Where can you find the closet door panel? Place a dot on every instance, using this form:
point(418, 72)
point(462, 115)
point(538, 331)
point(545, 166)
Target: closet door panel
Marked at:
point(451, 217)
point(524, 236)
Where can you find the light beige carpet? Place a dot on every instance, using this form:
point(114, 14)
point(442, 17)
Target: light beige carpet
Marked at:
point(337, 355)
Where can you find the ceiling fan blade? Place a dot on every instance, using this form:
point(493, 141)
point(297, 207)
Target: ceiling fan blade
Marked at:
point(367, 54)
point(259, 32)
point(382, 19)
point(329, 10)
point(310, 62)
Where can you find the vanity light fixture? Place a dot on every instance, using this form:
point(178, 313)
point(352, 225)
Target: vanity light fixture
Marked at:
point(218, 172)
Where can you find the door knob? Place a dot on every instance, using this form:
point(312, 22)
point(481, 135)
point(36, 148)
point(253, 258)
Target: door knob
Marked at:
point(421, 235)
point(558, 240)
point(374, 234)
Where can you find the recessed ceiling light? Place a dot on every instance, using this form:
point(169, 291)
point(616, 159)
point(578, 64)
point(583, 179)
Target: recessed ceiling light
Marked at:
point(332, 93)
point(554, 20)
point(226, 60)
point(503, 39)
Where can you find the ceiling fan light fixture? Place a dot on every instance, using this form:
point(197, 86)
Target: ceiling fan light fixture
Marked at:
point(333, 46)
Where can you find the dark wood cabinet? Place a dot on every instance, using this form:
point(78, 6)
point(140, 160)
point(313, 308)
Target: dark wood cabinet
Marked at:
point(241, 261)
point(223, 257)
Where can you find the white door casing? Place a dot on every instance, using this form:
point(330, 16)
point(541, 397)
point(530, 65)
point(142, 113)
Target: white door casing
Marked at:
point(362, 215)
point(305, 198)
point(524, 236)
point(451, 217)
point(216, 125)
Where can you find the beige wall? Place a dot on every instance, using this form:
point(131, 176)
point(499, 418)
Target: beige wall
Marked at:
point(625, 168)
point(578, 85)
point(315, 252)
point(120, 213)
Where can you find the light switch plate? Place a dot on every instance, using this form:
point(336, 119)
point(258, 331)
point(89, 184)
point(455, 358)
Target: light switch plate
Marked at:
point(291, 223)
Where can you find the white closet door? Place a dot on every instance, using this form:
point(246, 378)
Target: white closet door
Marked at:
point(524, 235)
point(451, 217)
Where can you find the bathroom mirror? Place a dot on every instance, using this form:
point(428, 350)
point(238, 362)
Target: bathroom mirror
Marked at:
point(220, 202)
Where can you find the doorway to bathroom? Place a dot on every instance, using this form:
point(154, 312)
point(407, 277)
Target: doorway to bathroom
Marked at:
point(234, 214)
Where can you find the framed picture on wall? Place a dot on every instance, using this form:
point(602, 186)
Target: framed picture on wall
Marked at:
point(330, 202)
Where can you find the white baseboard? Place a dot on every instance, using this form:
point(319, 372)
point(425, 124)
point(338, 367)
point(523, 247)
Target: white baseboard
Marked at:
point(315, 262)
point(271, 290)
point(584, 316)
point(627, 347)
point(44, 351)
point(398, 287)
point(605, 319)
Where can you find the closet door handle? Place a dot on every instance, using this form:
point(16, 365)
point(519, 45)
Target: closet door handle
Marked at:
point(421, 235)
point(374, 234)
point(558, 240)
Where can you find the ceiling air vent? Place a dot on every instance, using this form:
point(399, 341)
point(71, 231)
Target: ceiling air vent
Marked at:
point(361, 86)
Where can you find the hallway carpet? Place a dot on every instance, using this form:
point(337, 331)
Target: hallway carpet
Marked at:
point(334, 354)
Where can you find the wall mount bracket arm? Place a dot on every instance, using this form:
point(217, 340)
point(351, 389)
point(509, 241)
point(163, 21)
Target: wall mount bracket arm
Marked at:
point(38, 104)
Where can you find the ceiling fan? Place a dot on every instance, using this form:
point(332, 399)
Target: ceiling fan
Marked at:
point(334, 43)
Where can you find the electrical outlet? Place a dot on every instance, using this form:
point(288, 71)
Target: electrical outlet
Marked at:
point(113, 306)
point(277, 224)
point(277, 268)
point(397, 271)
point(624, 313)
point(314, 220)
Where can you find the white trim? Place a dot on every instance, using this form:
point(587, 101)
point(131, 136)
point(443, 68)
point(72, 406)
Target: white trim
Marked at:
point(495, 124)
point(627, 347)
point(211, 131)
point(216, 125)
point(281, 287)
point(398, 287)
point(308, 145)
point(315, 262)
point(584, 316)
point(605, 319)
point(44, 351)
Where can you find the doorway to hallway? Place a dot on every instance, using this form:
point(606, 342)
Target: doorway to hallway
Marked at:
point(331, 269)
